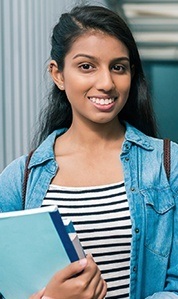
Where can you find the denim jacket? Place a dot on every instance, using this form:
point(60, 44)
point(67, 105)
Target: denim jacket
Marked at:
point(153, 203)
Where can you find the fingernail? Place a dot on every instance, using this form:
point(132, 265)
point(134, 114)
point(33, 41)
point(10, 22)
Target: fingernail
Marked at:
point(83, 262)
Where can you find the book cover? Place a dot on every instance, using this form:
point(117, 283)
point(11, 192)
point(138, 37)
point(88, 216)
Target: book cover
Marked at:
point(34, 244)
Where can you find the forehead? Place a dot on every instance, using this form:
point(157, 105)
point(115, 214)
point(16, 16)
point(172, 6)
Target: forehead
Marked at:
point(96, 43)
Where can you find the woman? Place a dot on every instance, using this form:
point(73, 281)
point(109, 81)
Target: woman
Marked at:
point(96, 142)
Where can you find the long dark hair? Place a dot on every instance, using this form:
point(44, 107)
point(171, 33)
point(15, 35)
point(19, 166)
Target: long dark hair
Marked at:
point(58, 113)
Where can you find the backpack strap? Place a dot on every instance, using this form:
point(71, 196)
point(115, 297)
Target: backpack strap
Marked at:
point(25, 180)
point(167, 156)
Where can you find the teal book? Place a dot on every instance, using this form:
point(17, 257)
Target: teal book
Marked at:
point(34, 244)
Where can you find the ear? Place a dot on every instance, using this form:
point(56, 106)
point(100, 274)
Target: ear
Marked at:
point(56, 75)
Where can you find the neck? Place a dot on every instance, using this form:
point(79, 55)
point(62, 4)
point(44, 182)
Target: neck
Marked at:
point(96, 135)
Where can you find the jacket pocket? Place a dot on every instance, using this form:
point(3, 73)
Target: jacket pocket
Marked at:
point(159, 211)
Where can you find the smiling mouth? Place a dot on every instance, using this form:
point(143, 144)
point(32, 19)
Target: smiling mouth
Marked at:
point(101, 101)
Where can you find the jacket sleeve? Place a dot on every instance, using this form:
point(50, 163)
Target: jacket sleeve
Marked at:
point(163, 295)
point(11, 180)
point(171, 288)
point(172, 272)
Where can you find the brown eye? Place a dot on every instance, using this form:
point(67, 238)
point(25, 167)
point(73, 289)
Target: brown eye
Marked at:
point(85, 66)
point(118, 68)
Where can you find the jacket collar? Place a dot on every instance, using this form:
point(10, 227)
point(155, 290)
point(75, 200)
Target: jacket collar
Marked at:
point(45, 151)
point(133, 135)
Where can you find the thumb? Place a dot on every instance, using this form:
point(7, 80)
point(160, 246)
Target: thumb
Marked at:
point(38, 295)
point(73, 269)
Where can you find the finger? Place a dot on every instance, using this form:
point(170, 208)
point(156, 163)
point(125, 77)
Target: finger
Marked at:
point(70, 271)
point(92, 272)
point(101, 291)
point(38, 295)
point(74, 268)
point(96, 282)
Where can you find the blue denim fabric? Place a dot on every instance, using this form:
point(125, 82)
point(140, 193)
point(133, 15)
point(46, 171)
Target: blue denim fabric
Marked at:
point(152, 201)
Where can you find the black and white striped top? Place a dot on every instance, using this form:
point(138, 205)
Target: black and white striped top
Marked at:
point(101, 218)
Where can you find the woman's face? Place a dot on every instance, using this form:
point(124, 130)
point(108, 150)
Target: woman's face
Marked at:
point(96, 77)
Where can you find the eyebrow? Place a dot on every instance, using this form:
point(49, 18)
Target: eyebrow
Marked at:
point(94, 58)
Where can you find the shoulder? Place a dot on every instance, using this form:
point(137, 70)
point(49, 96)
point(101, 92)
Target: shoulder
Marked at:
point(11, 180)
point(16, 166)
point(147, 142)
point(155, 160)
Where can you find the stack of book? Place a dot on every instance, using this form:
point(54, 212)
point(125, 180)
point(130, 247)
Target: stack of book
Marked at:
point(34, 244)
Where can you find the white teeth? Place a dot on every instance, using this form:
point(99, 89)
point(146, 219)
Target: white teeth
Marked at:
point(102, 101)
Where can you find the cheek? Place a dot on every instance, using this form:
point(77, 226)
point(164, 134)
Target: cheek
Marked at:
point(124, 86)
point(76, 84)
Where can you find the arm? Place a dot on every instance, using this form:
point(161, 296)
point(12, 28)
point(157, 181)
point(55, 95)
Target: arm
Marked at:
point(163, 295)
point(11, 185)
point(81, 279)
point(171, 289)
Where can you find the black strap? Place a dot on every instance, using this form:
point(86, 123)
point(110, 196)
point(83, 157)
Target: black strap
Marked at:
point(167, 156)
point(26, 175)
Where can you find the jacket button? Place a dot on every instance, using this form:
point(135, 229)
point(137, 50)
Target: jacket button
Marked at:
point(132, 189)
point(127, 159)
point(135, 269)
point(137, 230)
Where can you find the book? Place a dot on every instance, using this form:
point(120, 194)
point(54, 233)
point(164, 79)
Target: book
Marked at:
point(34, 245)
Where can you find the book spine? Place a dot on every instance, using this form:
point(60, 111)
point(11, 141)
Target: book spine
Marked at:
point(67, 243)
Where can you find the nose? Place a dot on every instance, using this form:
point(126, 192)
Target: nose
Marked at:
point(104, 80)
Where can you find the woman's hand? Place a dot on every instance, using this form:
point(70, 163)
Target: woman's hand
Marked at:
point(81, 279)
point(38, 295)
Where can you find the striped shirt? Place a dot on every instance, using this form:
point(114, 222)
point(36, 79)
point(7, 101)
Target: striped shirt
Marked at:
point(101, 218)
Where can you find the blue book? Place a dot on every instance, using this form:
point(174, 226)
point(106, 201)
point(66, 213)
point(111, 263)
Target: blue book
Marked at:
point(34, 244)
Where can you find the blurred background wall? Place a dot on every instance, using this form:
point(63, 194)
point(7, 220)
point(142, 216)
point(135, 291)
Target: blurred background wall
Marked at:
point(25, 30)
point(154, 24)
point(163, 80)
